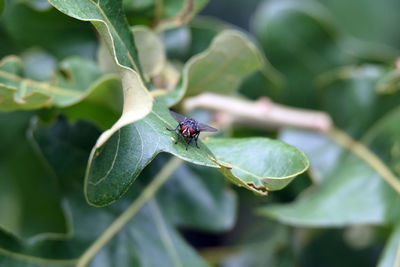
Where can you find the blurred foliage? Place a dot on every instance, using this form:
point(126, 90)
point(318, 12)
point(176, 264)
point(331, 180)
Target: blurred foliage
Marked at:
point(70, 70)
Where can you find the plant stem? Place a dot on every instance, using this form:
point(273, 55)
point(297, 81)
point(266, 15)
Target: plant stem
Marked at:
point(181, 18)
point(120, 222)
point(365, 154)
point(158, 11)
point(29, 260)
point(261, 113)
point(397, 259)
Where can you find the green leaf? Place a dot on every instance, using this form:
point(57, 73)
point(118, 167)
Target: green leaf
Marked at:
point(352, 90)
point(59, 139)
point(258, 164)
point(203, 189)
point(17, 260)
point(108, 18)
point(339, 200)
point(137, 4)
point(351, 192)
point(11, 68)
point(30, 201)
point(2, 6)
point(64, 36)
point(149, 232)
point(186, 41)
point(70, 85)
point(102, 105)
point(230, 58)
point(114, 166)
point(370, 18)
point(324, 153)
point(197, 198)
point(270, 247)
point(299, 39)
point(151, 50)
point(383, 139)
point(389, 83)
point(109, 172)
point(391, 254)
point(165, 15)
point(202, 31)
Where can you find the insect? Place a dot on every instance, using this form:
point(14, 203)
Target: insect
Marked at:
point(189, 129)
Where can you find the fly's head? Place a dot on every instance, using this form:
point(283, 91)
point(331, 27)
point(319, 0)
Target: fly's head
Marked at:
point(189, 127)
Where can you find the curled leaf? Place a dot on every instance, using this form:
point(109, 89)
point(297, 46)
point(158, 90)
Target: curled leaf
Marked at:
point(258, 164)
point(230, 58)
point(70, 85)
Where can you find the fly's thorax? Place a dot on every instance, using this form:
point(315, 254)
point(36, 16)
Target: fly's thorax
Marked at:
point(191, 123)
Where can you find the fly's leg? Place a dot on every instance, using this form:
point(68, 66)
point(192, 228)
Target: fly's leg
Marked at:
point(178, 136)
point(177, 139)
point(177, 133)
point(196, 137)
point(187, 144)
point(174, 129)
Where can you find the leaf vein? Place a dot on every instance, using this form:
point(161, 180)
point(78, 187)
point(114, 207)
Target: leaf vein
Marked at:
point(142, 152)
point(165, 237)
point(112, 165)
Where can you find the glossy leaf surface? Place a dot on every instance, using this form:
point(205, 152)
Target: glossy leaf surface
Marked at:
point(258, 164)
point(114, 166)
point(351, 192)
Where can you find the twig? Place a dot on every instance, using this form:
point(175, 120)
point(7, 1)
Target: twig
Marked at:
point(365, 154)
point(182, 18)
point(29, 260)
point(262, 113)
point(158, 10)
point(397, 259)
point(120, 222)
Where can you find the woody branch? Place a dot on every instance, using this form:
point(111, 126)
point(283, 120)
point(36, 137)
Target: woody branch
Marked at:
point(262, 113)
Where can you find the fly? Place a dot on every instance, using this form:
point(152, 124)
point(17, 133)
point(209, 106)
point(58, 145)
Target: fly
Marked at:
point(189, 129)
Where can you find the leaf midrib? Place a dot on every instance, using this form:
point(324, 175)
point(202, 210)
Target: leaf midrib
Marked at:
point(39, 86)
point(165, 236)
point(33, 259)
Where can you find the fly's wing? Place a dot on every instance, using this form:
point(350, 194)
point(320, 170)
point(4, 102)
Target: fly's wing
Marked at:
point(178, 117)
point(206, 128)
